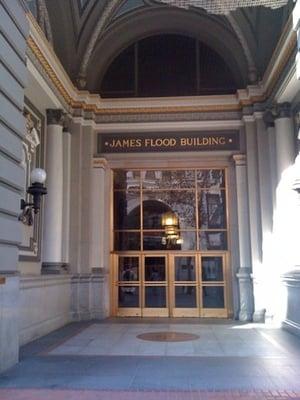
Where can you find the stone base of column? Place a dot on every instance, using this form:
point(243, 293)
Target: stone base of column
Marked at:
point(53, 268)
point(246, 294)
point(245, 316)
point(89, 295)
point(259, 315)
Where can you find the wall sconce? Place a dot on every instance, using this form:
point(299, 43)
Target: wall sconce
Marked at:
point(170, 224)
point(36, 190)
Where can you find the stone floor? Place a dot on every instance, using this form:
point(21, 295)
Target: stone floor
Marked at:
point(214, 341)
point(106, 360)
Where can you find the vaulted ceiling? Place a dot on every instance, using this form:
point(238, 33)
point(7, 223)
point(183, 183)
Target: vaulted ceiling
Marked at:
point(88, 34)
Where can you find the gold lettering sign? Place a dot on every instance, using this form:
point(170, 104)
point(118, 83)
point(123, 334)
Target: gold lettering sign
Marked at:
point(145, 142)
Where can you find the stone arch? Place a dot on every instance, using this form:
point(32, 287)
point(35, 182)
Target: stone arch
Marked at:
point(107, 13)
point(159, 20)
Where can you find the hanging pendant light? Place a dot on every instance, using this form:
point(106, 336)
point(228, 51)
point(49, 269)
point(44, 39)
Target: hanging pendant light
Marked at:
point(170, 224)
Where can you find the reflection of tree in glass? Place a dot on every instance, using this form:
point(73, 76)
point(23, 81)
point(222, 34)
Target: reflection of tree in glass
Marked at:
point(126, 210)
point(126, 180)
point(153, 211)
point(182, 203)
point(168, 179)
point(213, 240)
point(212, 209)
point(211, 178)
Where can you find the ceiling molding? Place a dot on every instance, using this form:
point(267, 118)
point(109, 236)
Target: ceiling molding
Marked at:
point(252, 68)
point(110, 8)
point(44, 54)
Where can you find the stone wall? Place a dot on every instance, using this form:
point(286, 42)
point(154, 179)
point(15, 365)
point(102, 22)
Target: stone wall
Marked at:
point(45, 304)
point(13, 75)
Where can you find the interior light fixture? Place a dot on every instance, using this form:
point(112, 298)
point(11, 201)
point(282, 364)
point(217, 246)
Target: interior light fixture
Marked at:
point(170, 224)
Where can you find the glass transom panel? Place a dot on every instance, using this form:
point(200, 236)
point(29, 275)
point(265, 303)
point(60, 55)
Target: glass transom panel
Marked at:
point(172, 179)
point(196, 197)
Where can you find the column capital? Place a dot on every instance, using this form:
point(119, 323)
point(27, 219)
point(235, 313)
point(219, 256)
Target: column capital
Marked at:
point(282, 110)
point(269, 119)
point(99, 163)
point(240, 159)
point(55, 116)
point(66, 123)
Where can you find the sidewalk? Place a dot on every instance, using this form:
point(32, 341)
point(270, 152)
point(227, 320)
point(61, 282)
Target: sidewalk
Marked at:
point(144, 395)
point(108, 360)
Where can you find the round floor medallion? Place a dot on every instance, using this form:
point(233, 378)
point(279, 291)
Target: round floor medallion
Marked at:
point(167, 336)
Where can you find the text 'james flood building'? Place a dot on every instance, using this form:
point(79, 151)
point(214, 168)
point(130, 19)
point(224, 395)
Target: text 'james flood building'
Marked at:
point(168, 130)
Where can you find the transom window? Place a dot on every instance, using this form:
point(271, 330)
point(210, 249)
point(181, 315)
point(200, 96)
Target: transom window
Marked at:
point(195, 199)
point(168, 65)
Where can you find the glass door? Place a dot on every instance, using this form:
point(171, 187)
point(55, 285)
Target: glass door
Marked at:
point(213, 286)
point(127, 286)
point(155, 286)
point(170, 285)
point(184, 284)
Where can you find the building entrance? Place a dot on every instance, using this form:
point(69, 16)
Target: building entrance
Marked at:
point(170, 256)
point(171, 285)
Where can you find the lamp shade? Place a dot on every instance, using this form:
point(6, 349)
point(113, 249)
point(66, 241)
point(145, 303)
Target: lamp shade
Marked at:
point(38, 175)
point(169, 219)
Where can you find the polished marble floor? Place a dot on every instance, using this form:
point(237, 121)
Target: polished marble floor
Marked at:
point(108, 356)
point(230, 340)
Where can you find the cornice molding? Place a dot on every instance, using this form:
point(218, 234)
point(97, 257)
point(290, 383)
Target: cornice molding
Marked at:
point(170, 126)
point(86, 103)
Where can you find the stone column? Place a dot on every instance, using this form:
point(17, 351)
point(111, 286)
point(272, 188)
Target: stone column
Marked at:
point(53, 210)
point(264, 173)
point(253, 189)
point(270, 126)
point(254, 202)
point(76, 194)
point(99, 283)
point(296, 27)
point(296, 182)
point(296, 188)
point(66, 195)
point(97, 211)
point(291, 277)
point(244, 272)
point(286, 235)
point(261, 270)
point(284, 133)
